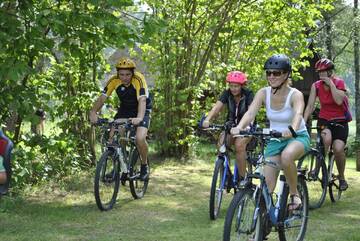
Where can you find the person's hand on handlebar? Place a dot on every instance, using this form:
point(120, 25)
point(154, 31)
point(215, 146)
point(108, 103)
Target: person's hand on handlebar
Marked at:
point(205, 124)
point(135, 121)
point(236, 130)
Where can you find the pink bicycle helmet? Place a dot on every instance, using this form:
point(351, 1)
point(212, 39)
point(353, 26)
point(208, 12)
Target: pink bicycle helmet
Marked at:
point(324, 64)
point(237, 77)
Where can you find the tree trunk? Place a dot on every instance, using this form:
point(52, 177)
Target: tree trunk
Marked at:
point(328, 38)
point(357, 79)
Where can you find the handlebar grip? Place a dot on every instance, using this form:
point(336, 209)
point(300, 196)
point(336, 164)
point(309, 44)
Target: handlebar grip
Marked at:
point(277, 134)
point(293, 133)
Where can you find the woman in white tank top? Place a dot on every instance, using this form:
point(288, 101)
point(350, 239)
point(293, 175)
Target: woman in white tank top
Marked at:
point(284, 106)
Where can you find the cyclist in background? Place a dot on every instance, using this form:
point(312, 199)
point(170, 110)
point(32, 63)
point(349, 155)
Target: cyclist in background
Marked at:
point(331, 92)
point(135, 104)
point(237, 98)
point(284, 107)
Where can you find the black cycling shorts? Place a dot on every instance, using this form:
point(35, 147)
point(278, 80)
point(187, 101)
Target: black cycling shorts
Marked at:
point(144, 123)
point(339, 132)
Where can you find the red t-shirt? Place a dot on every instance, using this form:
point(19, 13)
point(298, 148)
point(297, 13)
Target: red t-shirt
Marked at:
point(329, 110)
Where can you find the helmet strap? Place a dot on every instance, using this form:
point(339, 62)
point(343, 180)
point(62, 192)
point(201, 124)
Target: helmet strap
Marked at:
point(279, 87)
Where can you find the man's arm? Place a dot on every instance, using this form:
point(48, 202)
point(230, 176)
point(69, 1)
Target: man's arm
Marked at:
point(96, 107)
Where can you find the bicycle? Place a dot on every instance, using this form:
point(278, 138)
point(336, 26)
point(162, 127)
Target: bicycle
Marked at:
point(316, 174)
point(333, 175)
point(328, 174)
point(254, 211)
point(120, 156)
point(223, 178)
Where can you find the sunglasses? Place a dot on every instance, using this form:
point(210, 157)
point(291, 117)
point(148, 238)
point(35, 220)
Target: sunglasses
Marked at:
point(274, 73)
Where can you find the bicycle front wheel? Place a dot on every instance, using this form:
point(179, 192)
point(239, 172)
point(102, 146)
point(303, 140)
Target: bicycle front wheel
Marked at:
point(316, 177)
point(106, 182)
point(334, 182)
point(294, 223)
point(244, 221)
point(137, 186)
point(216, 190)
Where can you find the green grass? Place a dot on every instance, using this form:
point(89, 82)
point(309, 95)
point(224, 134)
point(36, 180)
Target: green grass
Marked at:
point(175, 208)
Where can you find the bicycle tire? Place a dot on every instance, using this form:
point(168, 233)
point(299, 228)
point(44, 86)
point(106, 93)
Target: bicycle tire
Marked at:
point(106, 181)
point(138, 187)
point(293, 224)
point(316, 177)
point(334, 182)
point(239, 221)
point(216, 190)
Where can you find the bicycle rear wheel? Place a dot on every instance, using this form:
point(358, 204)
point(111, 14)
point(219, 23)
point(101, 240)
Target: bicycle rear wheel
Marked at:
point(334, 182)
point(138, 187)
point(244, 221)
point(294, 223)
point(316, 177)
point(106, 182)
point(216, 190)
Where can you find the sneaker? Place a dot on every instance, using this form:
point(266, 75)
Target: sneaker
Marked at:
point(343, 185)
point(144, 172)
point(295, 202)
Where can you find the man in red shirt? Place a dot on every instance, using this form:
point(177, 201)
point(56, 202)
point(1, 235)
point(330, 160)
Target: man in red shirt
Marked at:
point(331, 92)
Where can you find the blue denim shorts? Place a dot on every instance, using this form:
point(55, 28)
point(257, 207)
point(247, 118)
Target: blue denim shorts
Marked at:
point(276, 146)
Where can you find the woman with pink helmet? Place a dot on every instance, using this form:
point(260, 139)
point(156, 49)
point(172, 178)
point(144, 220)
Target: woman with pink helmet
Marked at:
point(237, 98)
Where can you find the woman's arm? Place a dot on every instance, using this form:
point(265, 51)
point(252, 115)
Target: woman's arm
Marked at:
point(213, 113)
point(311, 103)
point(337, 94)
point(298, 108)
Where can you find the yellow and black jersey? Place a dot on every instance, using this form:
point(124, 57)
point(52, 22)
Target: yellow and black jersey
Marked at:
point(128, 95)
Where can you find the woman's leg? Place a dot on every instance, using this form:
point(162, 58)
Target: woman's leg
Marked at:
point(293, 151)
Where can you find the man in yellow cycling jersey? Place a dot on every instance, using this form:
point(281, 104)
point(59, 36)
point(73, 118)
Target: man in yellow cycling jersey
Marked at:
point(135, 104)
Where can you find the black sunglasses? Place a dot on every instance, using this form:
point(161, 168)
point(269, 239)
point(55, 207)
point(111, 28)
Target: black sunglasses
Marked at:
point(274, 73)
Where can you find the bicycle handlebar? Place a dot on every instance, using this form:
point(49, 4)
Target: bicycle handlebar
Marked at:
point(115, 123)
point(265, 132)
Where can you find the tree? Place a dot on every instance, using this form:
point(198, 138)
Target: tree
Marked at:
point(200, 41)
point(51, 58)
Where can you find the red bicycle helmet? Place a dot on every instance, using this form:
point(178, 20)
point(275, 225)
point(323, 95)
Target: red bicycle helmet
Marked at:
point(237, 77)
point(324, 64)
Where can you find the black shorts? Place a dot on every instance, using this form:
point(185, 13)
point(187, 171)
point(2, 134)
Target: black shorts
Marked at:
point(337, 132)
point(144, 123)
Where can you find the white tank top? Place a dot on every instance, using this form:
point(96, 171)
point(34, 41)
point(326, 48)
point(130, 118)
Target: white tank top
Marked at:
point(281, 119)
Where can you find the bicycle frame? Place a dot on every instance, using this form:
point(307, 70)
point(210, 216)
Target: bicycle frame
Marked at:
point(227, 170)
point(271, 208)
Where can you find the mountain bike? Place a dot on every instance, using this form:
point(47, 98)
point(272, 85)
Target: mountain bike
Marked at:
point(223, 179)
point(254, 212)
point(316, 174)
point(121, 156)
point(319, 177)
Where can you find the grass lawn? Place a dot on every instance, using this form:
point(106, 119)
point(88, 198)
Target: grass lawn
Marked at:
point(175, 208)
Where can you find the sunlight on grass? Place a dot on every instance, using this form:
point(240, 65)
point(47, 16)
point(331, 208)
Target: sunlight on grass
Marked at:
point(174, 208)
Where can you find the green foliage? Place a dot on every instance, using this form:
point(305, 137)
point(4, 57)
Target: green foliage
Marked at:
point(51, 58)
point(38, 158)
point(200, 41)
